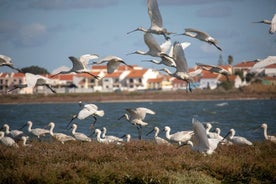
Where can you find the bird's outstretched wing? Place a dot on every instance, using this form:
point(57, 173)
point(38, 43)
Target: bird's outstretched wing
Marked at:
point(154, 14)
point(179, 57)
point(77, 65)
point(86, 57)
point(195, 31)
point(273, 25)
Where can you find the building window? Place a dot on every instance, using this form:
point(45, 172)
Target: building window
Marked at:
point(131, 80)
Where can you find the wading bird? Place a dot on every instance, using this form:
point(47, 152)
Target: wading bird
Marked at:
point(157, 139)
point(13, 133)
point(136, 117)
point(7, 61)
point(80, 65)
point(178, 137)
point(156, 21)
point(112, 138)
point(98, 133)
point(38, 132)
point(34, 81)
point(24, 141)
point(230, 136)
point(155, 50)
point(86, 111)
point(201, 36)
point(272, 23)
point(8, 141)
point(266, 136)
point(181, 72)
point(79, 136)
point(113, 63)
point(59, 136)
point(200, 142)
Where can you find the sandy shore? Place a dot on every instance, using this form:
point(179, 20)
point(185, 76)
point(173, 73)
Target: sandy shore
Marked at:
point(137, 96)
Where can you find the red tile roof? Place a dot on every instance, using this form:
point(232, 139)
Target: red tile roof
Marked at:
point(137, 73)
point(246, 64)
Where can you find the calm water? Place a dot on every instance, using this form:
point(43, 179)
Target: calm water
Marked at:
point(241, 115)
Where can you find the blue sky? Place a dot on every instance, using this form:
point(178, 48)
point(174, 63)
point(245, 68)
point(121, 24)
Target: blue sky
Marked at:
point(46, 33)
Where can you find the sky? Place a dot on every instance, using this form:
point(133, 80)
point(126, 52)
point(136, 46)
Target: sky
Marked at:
point(45, 33)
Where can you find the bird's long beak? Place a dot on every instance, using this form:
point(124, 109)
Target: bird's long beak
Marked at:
point(123, 116)
point(150, 132)
point(23, 126)
point(130, 53)
point(225, 137)
point(256, 128)
point(132, 31)
point(70, 122)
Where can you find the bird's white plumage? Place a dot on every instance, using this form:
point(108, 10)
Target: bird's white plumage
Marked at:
point(90, 110)
point(36, 131)
point(79, 136)
point(112, 138)
point(8, 141)
point(178, 137)
point(59, 136)
point(157, 139)
point(272, 28)
point(237, 139)
point(268, 137)
point(12, 133)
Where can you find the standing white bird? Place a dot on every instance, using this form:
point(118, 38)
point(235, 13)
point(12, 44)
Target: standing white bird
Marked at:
point(272, 23)
point(38, 132)
point(200, 141)
point(25, 139)
point(112, 138)
point(201, 36)
point(155, 50)
point(136, 117)
point(178, 137)
point(86, 111)
point(167, 59)
point(13, 133)
point(80, 65)
point(59, 136)
point(7, 61)
point(181, 72)
point(113, 63)
point(236, 139)
point(156, 21)
point(157, 139)
point(8, 141)
point(34, 81)
point(266, 136)
point(79, 136)
point(212, 135)
point(98, 133)
point(217, 130)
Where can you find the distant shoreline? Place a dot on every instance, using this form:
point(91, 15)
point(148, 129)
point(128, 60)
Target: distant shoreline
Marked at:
point(146, 96)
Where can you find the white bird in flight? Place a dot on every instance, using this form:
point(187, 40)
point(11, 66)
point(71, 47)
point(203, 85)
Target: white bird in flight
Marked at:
point(86, 111)
point(272, 23)
point(80, 65)
point(8, 141)
point(79, 136)
point(156, 21)
point(7, 61)
point(230, 136)
point(33, 80)
point(59, 136)
point(200, 142)
point(113, 63)
point(157, 139)
point(214, 69)
point(178, 137)
point(266, 136)
point(201, 36)
point(181, 72)
point(136, 117)
point(155, 50)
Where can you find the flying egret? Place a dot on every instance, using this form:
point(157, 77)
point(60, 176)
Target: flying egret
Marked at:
point(113, 63)
point(200, 142)
point(25, 139)
point(272, 23)
point(13, 133)
point(201, 36)
point(230, 136)
point(79, 136)
point(112, 138)
point(8, 141)
point(156, 21)
point(36, 131)
point(33, 81)
point(155, 50)
point(157, 139)
point(178, 137)
point(136, 117)
point(86, 111)
point(214, 69)
point(7, 61)
point(80, 65)
point(167, 59)
point(59, 136)
point(181, 72)
point(268, 137)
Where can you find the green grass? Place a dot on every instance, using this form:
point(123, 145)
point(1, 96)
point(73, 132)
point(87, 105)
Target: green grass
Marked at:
point(136, 162)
